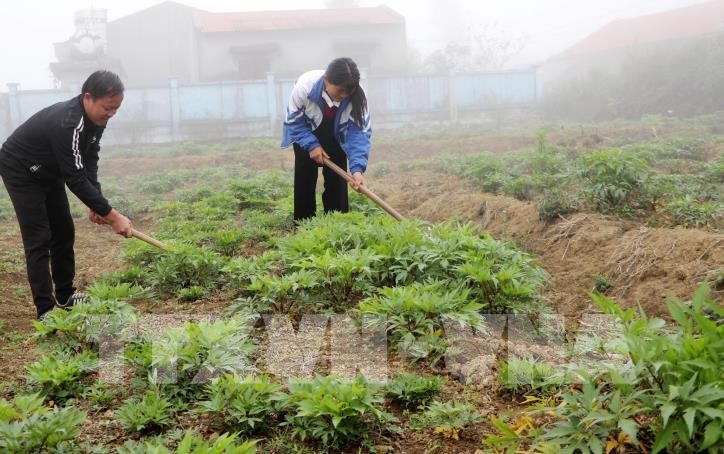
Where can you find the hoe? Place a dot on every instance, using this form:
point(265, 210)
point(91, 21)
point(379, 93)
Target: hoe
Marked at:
point(147, 239)
point(384, 205)
point(374, 197)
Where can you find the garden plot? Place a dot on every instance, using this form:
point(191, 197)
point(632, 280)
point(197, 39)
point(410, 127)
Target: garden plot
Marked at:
point(462, 326)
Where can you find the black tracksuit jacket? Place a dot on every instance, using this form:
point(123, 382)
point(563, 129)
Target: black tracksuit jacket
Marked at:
point(55, 147)
point(59, 143)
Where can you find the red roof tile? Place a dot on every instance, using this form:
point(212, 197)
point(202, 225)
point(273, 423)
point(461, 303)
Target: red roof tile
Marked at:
point(253, 21)
point(679, 23)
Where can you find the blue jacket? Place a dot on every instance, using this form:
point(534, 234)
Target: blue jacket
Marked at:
point(305, 113)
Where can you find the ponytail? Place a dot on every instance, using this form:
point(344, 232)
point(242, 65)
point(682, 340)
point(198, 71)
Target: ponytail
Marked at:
point(343, 71)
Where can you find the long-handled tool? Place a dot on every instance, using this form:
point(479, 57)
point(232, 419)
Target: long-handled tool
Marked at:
point(350, 179)
point(150, 240)
point(145, 238)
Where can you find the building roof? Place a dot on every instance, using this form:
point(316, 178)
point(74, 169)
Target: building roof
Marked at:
point(679, 23)
point(161, 8)
point(254, 21)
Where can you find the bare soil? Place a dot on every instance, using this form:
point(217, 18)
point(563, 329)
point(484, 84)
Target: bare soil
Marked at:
point(645, 265)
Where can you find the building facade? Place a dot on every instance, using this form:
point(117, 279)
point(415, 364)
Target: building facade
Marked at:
point(174, 41)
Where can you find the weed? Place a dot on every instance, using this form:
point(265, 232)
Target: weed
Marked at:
point(601, 283)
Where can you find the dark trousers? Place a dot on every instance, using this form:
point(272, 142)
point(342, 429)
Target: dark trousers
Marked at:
point(46, 226)
point(306, 172)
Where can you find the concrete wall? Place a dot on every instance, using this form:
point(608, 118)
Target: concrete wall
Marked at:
point(378, 49)
point(177, 111)
point(155, 45)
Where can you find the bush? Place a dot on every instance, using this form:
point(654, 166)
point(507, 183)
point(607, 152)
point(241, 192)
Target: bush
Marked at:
point(715, 170)
point(488, 173)
point(601, 283)
point(84, 324)
point(191, 294)
point(673, 385)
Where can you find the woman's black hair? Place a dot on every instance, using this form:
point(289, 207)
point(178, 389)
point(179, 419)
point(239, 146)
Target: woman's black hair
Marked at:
point(103, 83)
point(343, 72)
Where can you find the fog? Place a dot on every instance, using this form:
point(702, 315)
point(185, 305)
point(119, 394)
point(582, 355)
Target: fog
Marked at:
point(421, 60)
point(538, 29)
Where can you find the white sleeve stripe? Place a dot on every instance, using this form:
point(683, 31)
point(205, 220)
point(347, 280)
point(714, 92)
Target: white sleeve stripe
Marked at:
point(74, 145)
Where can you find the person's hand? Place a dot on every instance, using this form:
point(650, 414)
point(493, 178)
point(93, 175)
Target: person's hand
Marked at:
point(120, 224)
point(359, 181)
point(318, 155)
point(95, 218)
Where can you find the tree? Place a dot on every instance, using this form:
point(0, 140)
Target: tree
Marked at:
point(486, 49)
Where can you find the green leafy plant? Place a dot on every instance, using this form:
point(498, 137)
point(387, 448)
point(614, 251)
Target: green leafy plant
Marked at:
point(148, 413)
point(412, 390)
point(59, 375)
point(228, 242)
point(340, 274)
point(101, 395)
point(447, 418)
point(593, 417)
point(285, 291)
point(191, 294)
point(184, 267)
point(681, 367)
point(85, 323)
point(183, 360)
point(243, 404)
point(689, 212)
point(193, 444)
point(334, 411)
point(555, 203)
point(614, 179)
point(601, 283)
point(414, 316)
point(673, 384)
point(26, 425)
point(528, 375)
point(124, 291)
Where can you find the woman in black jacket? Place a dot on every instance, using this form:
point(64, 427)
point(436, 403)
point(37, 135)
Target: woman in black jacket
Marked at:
point(58, 147)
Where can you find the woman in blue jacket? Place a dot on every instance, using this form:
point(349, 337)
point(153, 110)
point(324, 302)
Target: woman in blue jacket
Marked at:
point(327, 118)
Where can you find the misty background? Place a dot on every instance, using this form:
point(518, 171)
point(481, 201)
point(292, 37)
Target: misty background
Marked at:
point(222, 69)
point(538, 29)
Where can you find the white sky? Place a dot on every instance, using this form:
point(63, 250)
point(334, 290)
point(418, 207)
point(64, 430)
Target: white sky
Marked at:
point(29, 28)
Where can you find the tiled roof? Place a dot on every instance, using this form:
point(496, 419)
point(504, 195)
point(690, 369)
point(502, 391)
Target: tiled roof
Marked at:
point(675, 24)
point(254, 21)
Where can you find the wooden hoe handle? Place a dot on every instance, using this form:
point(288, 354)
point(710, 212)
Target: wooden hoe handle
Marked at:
point(150, 240)
point(384, 205)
